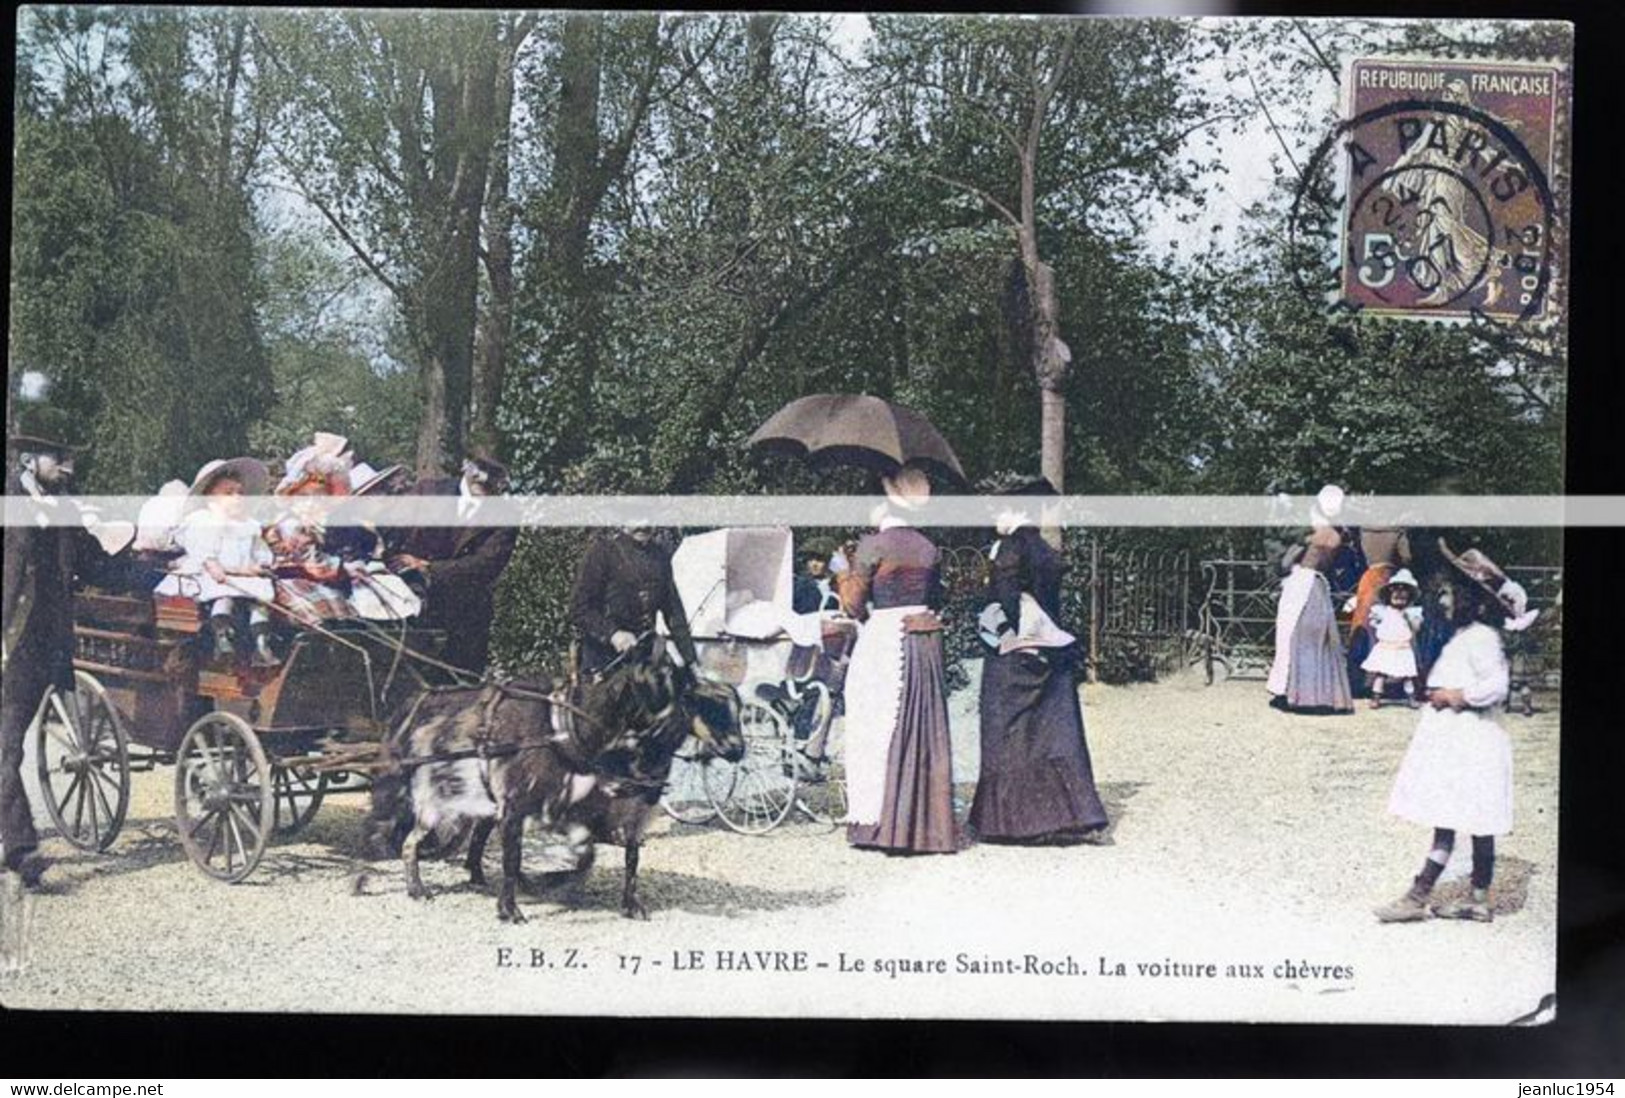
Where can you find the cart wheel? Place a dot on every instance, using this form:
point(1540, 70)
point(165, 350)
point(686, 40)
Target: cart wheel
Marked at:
point(223, 803)
point(84, 763)
point(296, 794)
point(686, 799)
point(755, 794)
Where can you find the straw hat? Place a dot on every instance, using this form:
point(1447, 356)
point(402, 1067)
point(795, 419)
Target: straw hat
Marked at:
point(324, 461)
point(247, 471)
point(1488, 575)
point(908, 489)
point(364, 478)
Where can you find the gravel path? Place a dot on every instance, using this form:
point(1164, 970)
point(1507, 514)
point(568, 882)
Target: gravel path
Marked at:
point(1243, 838)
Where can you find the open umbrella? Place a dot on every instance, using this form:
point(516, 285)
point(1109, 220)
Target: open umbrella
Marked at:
point(850, 429)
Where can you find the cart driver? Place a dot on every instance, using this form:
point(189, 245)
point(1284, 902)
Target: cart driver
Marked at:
point(625, 579)
point(37, 616)
point(455, 569)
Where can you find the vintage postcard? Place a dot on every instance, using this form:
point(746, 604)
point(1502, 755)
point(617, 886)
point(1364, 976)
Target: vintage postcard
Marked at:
point(785, 515)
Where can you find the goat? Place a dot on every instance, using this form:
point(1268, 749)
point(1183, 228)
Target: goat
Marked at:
point(497, 753)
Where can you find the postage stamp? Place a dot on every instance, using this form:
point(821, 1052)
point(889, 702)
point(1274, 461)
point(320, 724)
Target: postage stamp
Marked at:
point(1448, 207)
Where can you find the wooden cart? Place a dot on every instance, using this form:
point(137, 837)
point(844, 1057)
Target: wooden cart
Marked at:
point(244, 740)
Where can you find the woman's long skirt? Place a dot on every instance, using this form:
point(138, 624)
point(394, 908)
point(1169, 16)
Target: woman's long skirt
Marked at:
point(904, 803)
point(1310, 670)
point(1036, 778)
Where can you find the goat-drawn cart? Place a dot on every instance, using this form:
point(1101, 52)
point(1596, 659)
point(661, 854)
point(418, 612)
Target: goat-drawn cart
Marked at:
point(245, 741)
point(737, 588)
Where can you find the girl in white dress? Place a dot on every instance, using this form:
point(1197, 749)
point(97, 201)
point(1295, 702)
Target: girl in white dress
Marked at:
point(1393, 623)
point(1457, 773)
point(226, 556)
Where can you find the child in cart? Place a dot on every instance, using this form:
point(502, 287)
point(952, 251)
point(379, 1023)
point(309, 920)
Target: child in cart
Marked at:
point(1393, 624)
point(225, 560)
point(312, 586)
point(1457, 774)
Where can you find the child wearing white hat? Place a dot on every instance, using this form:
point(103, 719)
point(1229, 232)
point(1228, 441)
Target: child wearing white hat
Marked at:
point(226, 559)
point(1393, 623)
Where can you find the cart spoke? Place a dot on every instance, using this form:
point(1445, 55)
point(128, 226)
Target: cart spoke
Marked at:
point(104, 778)
point(285, 792)
point(236, 839)
point(62, 805)
point(92, 795)
point(101, 732)
point(62, 711)
point(207, 749)
point(52, 731)
point(80, 724)
point(214, 834)
point(107, 809)
point(79, 809)
point(223, 754)
point(245, 821)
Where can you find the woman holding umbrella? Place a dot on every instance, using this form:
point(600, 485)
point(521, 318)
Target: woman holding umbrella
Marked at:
point(899, 762)
point(899, 759)
point(1036, 783)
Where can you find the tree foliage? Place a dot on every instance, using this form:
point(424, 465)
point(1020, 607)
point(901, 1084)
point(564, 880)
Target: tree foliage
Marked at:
point(133, 276)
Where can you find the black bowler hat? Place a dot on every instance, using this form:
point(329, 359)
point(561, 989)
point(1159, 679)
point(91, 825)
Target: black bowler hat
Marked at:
point(40, 427)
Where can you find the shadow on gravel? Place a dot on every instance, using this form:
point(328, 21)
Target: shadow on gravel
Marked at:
point(148, 844)
point(1509, 892)
point(141, 845)
point(664, 890)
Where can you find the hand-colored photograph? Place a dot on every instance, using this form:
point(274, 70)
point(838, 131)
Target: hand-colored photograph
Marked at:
point(486, 515)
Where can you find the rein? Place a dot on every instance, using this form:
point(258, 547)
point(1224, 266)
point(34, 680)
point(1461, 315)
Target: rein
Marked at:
point(593, 766)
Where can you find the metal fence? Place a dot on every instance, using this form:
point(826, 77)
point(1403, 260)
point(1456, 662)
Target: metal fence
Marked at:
point(1144, 613)
point(1235, 635)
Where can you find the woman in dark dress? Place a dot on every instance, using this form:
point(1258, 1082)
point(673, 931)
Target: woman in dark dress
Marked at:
point(1036, 782)
point(899, 760)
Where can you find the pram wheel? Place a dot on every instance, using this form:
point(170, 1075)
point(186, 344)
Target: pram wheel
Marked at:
point(754, 795)
point(686, 799)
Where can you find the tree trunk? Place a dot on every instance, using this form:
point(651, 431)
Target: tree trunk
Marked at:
point(448, 289)
point(432, 423)
point(1051, 360)
point(496, 322)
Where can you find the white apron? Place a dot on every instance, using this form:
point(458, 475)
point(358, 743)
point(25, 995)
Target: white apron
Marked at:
point(1295, 592)
point(874, 697)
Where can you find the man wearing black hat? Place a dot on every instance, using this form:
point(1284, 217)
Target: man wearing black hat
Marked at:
point(455, 569)
point(37, 617)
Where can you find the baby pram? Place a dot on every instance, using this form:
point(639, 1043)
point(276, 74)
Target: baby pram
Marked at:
point(737, 589)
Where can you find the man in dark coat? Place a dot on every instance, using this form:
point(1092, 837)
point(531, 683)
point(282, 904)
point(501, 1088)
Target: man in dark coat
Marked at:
point(625, 579)
point(38, 623)
point(455, 569)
